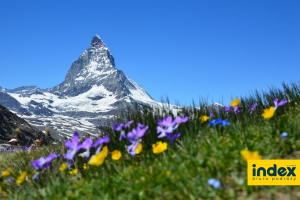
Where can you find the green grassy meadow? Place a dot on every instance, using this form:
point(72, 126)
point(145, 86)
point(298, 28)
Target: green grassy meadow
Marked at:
point(182, 171)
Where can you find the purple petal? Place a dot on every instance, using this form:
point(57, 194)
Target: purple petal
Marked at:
point(167, 121)
point(141, 132)
point(86, 144)
point(160, 129)
point(106, 139)
point(160, 122)
point(76, 134)
point(163, 134)
point(50, 157)
point(74, 144)
point(36, 176)
point(98, 149)
point(235, 108)
point(131, 136)
point(282, 102)
point(179, 119)
point(35, 164)
point(117, 127)
point(122, 135)
point(128, 123)
point(226, 109)
point(275, 101)
point(70, 154)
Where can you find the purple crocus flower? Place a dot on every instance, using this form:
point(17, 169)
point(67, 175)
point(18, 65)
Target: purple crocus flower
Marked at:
point(162, 131)
point(252, 108)
point(87, 144)
point(226, 109)
point(73, 146)
point(169, 124)
point(135, 138)
point(213, 182)
point(100, 142)
point(281, 103)
point(178, 120)
point(236, 110)
point(43, 162)
point(121, 127)
point(172, 138)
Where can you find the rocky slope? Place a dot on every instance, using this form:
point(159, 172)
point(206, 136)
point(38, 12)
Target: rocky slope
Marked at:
point(10, 121)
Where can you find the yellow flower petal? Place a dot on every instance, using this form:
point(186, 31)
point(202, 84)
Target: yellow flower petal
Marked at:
point(6, 173)
point(105, 151)
point(21, 178)
point(84, 166)
point(4, 194)
point(116, 155)
point(235, 102)
point(248, 155)
point(159, 147)
point(62, 167)
point(139, 148)
point(203, 118)
point(74, 172)
point(97, 159)
point(268, 113)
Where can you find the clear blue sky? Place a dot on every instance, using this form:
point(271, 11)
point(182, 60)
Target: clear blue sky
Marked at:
point(184, 49)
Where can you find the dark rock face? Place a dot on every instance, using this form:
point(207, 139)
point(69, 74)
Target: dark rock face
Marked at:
point(9, 122)
point(10, 102)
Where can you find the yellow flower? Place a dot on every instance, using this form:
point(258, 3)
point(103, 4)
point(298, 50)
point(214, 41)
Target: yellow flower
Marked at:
point(235, 102)
point(74, 172)
point(248, 155)
point(203, 118)
point(268, 113)
point(4, 194)
point(116, 155)
point(84, 166)
point(0, 188)
point(62, 167)
point(6, 173)
point(105, 151)
point(97, 159)
point(139, 148)
point(21, 178)
point(159, 147)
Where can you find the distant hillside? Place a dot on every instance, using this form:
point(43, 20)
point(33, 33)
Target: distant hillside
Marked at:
point(9, 122)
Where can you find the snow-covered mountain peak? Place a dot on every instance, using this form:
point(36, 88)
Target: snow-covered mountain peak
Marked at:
point(93, 91)
point(96, 41)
